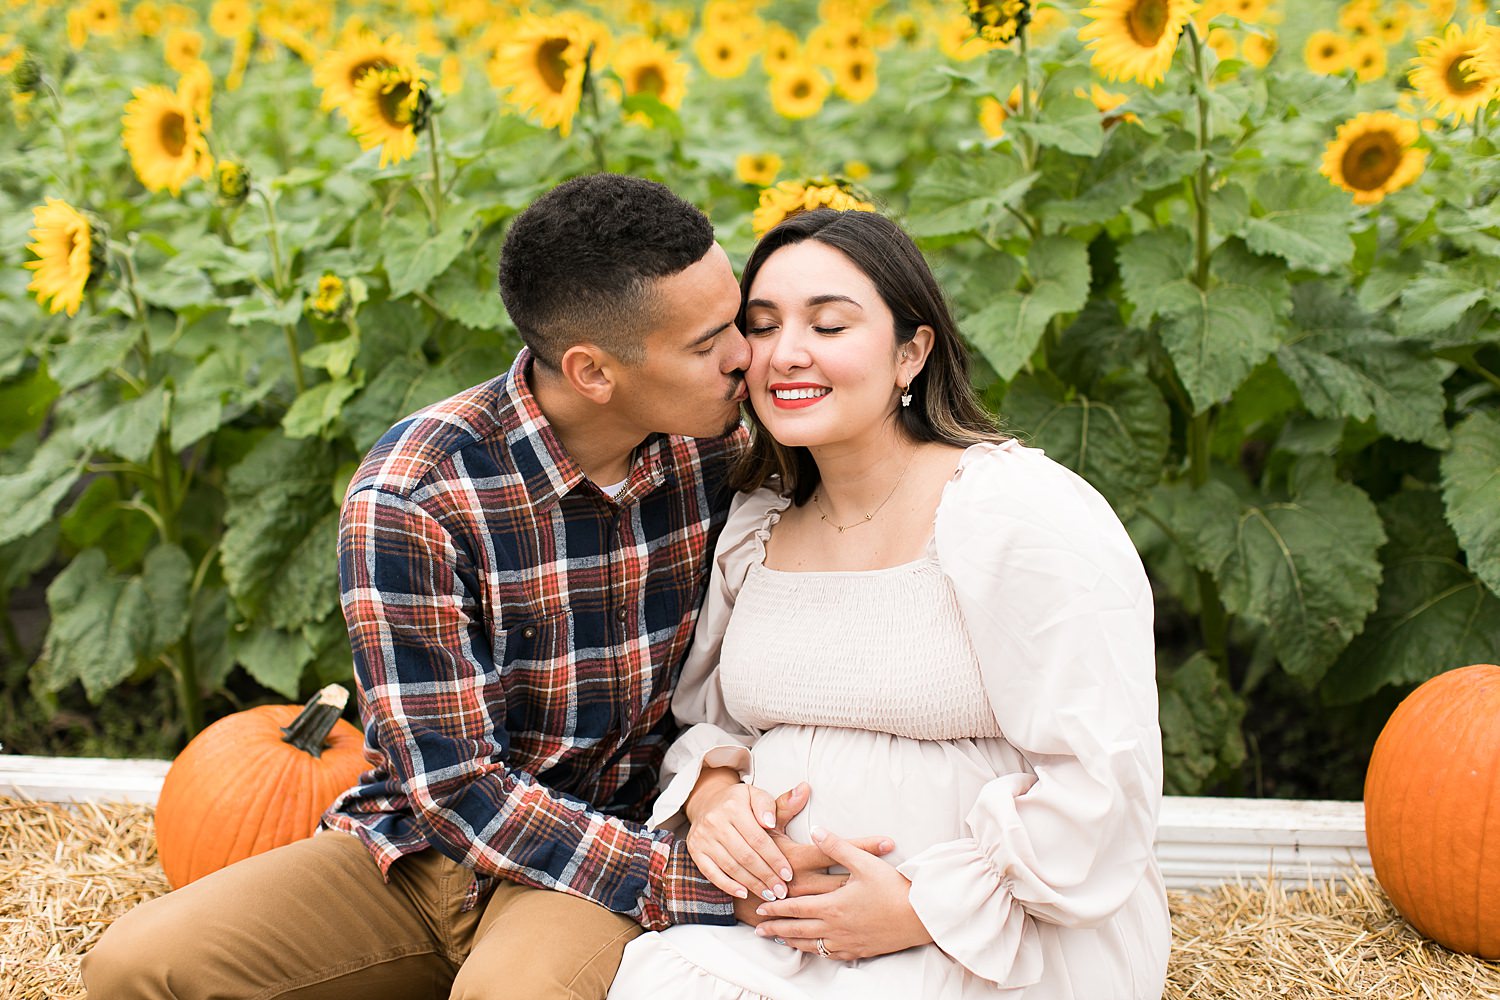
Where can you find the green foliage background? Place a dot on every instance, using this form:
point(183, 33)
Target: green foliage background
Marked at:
point(1290, 400)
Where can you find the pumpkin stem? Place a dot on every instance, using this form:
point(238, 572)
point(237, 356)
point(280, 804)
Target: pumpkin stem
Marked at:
point(310, 729)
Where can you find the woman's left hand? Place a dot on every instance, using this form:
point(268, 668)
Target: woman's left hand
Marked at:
point(871, 914)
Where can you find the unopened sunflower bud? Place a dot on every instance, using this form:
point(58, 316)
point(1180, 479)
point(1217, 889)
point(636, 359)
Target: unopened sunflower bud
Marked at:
point(27, 76)
point(421, 112)
point(330, 301)
point(233, 182)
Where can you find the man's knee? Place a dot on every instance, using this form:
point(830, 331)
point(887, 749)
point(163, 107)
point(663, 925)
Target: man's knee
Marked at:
point(128, 961)
point(548, 973)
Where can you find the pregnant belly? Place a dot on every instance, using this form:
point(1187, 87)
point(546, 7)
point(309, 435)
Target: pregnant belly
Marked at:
point(864, 784)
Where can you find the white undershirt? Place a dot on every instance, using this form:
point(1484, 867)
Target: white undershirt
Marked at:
point(614, 490)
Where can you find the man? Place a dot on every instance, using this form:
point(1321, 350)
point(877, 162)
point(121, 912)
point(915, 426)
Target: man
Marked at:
point(521, 566)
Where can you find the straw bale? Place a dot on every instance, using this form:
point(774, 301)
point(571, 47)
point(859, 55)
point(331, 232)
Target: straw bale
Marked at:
point(67, 871)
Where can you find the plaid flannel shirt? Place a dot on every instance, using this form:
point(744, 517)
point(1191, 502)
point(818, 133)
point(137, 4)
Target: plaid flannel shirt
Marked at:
point(517, 635)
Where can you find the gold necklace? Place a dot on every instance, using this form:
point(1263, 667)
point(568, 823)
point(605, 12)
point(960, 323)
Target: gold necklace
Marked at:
point(870, 516)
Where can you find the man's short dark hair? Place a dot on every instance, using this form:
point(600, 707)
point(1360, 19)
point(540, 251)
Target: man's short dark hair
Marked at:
point(580, 264)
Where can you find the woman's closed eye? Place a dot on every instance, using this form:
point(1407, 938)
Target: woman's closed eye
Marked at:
point(828, 329)
point(757, 328)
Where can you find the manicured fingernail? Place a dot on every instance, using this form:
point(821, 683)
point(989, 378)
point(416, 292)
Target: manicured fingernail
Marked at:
point(768, 895)
point(762, 932)
point(760, 911)
point(780, 891)
point(781, 940)
point(818, 833)
point(786, 873)
point(886, 845)
point(768, 819)
point(743, 894)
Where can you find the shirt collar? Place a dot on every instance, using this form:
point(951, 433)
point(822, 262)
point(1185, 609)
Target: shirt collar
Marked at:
point(547, 470)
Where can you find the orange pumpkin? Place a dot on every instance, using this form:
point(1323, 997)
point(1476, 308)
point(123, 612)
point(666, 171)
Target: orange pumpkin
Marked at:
point(252, 781)
point(1432, 809)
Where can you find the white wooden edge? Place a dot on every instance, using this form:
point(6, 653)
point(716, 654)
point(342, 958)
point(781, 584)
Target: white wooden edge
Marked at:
point(1200, 842)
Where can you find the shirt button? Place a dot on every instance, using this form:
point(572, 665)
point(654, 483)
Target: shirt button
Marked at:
point(529, 632)
point(621, 613)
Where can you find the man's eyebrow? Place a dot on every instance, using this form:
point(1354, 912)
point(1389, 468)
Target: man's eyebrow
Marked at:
point(711, 334)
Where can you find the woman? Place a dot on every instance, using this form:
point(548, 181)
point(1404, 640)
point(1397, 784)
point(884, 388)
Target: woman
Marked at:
point(928, 632)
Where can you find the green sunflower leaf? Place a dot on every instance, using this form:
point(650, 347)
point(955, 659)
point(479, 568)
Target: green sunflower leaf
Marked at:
point(1345, 365)
point(1471, 493)
point(30, 496)
point(413, 257)
point(1438, 299)
point(966, 194)
point(1299, 217)
point(1434, 613)
point(1115, 435)
point(1200, 725)
point(1007, 330)
point(1305, 567)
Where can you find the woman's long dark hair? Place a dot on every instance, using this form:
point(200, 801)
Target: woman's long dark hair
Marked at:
point(944, 408)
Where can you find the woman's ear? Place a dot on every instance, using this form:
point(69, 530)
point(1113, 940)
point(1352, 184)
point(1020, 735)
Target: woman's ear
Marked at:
point(913, 354)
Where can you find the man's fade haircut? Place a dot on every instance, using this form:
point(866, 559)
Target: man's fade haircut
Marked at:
point(580, 265)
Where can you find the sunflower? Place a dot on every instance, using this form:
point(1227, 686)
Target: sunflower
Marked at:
point(543, 63)
point(856, 170)
point(723, 54)
point(339, 70)
point(1258, 49)
point(163, 138)
point(184, 47)
point(781, 49)
point(1452, 73)
point(230, 18)
point(999, 20)
point(331, 298)
point(1373, 155)
point(1135, 39)
point(1367, 59)
point(1392, 26)
point(799, 91)
point(232, 182)
point(957, 41)
point(1326, 52)
point(1222, 42)
point(1108, 103)
point(68, 255)
point(993, 113)
point(388, 109)
point(1249, 11)
point(791, 197)
point(102, 17)
point(855, 77)
point(146, 19)
point(759, 169)
point(646, 66)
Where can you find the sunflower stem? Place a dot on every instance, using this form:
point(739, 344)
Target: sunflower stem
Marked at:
point(596, 117)
point(1203, 181)
point(272, 237)
point(296, 352)
point(67, 140)
point(1028, 150)
point(437, 174)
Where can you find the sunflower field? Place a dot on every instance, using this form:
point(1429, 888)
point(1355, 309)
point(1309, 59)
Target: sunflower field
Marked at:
point(1236, 262)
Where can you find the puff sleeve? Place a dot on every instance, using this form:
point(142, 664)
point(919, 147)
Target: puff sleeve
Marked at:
point(713, 737)
point(1059, 614)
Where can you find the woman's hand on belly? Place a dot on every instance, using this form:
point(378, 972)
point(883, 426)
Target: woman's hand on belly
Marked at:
point(871, 914)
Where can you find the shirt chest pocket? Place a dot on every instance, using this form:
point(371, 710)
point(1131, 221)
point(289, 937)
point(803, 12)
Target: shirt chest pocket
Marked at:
point(555, 690)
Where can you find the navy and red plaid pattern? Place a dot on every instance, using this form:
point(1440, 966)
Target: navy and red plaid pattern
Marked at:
point(517, 636)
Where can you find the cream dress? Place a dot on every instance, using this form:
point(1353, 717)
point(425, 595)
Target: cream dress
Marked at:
point(991, 707)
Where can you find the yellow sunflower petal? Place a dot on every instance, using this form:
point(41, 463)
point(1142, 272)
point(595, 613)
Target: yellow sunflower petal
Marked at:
point(1135, 39)
point(65, 255)
point(1374, 154)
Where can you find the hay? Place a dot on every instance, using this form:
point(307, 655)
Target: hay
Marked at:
point(67, 871)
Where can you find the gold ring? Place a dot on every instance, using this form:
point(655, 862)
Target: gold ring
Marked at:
point(822, 948)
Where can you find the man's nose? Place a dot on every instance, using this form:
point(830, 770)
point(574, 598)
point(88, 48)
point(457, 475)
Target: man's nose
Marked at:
point(738, 358)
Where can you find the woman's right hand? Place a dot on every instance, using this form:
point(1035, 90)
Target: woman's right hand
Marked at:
point(730, 839)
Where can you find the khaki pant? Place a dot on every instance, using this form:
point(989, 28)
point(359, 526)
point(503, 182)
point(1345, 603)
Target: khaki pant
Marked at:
point(315, 921)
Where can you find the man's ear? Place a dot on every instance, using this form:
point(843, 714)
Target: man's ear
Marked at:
point(590, 370)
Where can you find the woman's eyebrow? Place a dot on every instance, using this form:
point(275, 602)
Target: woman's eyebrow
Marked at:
point(816, 300)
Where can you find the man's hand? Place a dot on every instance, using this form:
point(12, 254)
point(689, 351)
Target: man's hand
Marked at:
point(871, 914)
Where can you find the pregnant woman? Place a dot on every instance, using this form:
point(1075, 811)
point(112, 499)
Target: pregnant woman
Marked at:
point(928, 632)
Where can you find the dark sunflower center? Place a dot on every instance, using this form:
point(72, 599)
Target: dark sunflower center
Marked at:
point(801, 90)
point(393, 107)
point(1461, 79)
point(1330, 50)
point(724, 52)
point(364, 66)
point(1370, 160)
point(857, 72)
point(648, 80)
point(550, 64)
point(1147, 22)
point(173, 133)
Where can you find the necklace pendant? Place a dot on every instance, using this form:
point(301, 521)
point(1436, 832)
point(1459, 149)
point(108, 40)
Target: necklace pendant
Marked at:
point(840, 527)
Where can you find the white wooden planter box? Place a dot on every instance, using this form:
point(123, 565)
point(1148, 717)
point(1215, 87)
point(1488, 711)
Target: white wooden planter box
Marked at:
point(1200, 842)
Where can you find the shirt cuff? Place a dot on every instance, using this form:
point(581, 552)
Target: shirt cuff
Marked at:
point(677, 892)
point(668, 813)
